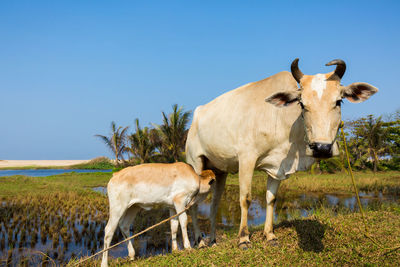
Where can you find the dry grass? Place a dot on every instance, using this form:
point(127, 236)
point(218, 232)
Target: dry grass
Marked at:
point(386, 182)
point(62, 211)
point(320, 239)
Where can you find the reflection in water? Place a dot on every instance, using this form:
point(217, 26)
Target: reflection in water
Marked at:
point(287, 207)
point(82, 233)
point(100, 189)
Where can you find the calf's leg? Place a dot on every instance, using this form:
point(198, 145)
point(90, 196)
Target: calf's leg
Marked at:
point(174, 229)
point(116, 212)
point(179, 206)
point(124, 224)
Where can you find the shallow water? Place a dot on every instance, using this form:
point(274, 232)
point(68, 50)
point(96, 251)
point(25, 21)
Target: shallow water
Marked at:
point(85, 231)
point(287, 207)
point(44, 172)
point(300, 205)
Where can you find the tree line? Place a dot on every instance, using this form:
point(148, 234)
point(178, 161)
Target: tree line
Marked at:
point(160, 143)
point(373, 142)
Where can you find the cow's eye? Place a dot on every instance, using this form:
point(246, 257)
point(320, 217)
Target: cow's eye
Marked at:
point(339, 103)
point(301, 105)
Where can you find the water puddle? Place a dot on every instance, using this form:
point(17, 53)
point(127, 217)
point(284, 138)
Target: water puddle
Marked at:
point(286, 208)
point(100, 189)
point(67, 232)
point(301, 205)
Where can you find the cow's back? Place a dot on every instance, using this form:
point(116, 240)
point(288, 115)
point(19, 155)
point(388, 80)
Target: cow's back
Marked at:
point(240, 122)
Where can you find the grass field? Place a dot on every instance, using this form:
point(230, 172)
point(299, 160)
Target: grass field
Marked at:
point(387, 182)
point(100, 163)
point(323, 238)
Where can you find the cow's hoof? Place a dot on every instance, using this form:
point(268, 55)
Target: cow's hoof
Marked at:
point(213, 243)
point(271, 239)
point(245, 245)
point(202, 244)
point(273, 242)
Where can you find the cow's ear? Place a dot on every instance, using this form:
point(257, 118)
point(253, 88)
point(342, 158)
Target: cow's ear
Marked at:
point(358, 92)
point(283, 99)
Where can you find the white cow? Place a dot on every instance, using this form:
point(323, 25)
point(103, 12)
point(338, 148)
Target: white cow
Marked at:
point(143, 186)
point(239, 132)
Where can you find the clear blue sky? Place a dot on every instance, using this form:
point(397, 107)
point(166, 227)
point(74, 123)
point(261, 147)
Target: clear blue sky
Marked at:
point(69, 68)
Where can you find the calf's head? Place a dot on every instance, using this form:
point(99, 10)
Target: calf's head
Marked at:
point(320, 97)
point(207, 178)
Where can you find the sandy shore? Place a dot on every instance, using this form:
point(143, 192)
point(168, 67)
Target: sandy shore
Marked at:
point(41, 163)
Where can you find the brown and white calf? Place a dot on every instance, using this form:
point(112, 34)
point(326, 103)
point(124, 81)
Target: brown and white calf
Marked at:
point(143, 186)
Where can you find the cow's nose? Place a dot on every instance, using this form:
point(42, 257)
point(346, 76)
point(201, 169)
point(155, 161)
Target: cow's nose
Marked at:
point(321, 150)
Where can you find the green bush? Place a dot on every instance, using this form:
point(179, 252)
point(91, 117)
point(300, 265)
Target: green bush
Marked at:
point(100, 163)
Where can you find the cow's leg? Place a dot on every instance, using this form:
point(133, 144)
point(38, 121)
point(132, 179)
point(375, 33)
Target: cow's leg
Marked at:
point(218, 189)
point(272, 188)
point(246, 169)
point(116, 212)
point(197, 165)
point(125, 224)
point(196, 228)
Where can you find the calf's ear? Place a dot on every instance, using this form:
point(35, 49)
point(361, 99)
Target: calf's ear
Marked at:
point(205, 174)
point(358, 92)
point(283, 99)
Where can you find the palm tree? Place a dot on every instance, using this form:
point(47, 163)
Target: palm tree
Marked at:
point(161, 153)
point(173, 132)
point(370, 136)
point(141, 143)
point(393, 134)
point(375, 134)
point(116, 142)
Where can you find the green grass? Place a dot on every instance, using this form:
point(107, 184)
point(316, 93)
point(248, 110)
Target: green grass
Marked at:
point(319, 239)
point(59, 208)
point(324, 238)
point(76, 182)
point(100, 163)
point(387, 182)
point(33, 167)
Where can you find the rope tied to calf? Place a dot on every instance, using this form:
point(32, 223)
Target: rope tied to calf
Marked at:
point(188, 206)
point(192, 202)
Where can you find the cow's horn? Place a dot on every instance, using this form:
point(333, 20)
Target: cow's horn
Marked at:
point(296, 72)
point(340, 67)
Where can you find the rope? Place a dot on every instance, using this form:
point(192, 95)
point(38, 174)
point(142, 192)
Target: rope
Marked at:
point(190, 204)
point(366, 229)
point(366, 234)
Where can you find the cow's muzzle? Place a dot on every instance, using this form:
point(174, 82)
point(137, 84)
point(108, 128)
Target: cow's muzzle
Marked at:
point(321, 150)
